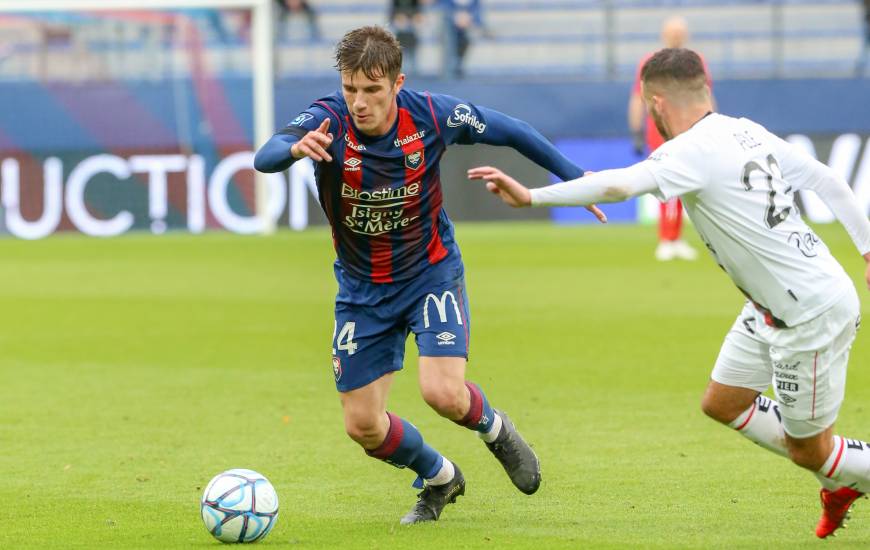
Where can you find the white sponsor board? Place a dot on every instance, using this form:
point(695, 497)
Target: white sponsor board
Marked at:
point(205, 193)
point(64, 188)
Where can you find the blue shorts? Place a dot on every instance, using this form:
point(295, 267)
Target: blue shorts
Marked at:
point(373, 320)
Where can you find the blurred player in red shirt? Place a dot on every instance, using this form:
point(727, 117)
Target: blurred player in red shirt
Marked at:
point(675, 33)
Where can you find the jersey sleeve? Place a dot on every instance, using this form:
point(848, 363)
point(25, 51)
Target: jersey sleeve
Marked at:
point(312, 117)
point(458, 121)
point(802, 172)
point(678, 168)
point(274, 155)
point(462, 122)
point(798, 168)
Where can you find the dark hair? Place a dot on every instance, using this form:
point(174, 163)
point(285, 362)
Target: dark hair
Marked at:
point(675, 65)
point(372, 50)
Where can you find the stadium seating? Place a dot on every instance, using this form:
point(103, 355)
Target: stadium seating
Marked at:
point(577, 38)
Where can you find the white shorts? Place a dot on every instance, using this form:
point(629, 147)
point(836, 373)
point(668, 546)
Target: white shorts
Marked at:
point(806, 364)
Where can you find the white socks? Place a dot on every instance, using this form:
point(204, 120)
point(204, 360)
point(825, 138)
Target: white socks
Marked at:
point(444, 475)
point(760, 424)
point(848, 465)
point(494, 430)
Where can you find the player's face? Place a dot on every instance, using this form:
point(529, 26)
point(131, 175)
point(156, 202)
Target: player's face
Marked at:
point(372, 103)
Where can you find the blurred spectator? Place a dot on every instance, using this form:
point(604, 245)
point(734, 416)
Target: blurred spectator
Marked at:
point(212, 19)
point(462, 17)
point(288, 9)
point(646, 138)
point(861, 68)
point(405, 17)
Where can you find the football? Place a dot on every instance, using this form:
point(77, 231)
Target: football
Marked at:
point(239, 506)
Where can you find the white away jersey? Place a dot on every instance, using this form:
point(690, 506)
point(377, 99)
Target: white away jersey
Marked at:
point(738, 182)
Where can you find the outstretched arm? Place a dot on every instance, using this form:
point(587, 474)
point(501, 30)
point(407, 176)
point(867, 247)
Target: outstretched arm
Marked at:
point(503, 130)
point(607, 186)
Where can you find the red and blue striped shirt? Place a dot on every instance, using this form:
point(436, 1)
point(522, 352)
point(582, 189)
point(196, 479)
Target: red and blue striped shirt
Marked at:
point(382, 194)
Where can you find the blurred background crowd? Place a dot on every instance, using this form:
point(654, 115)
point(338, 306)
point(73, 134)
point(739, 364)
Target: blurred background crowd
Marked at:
point(584, 39)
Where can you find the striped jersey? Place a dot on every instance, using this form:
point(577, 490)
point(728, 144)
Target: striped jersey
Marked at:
point(382, 195)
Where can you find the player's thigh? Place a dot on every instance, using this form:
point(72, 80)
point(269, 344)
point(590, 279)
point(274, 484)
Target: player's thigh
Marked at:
point(442, 379)
point(365, 346)
point(439, 318)
point(743, 359)
point(809, 371)
point(364, 410)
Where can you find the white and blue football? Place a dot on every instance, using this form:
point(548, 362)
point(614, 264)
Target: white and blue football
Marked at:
point(239, 506)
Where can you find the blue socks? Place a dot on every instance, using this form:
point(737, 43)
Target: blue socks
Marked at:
point(480, 416)
point(404, 448)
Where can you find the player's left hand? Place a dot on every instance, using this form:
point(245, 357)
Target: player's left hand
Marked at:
point(512, 192)
point(867, 270)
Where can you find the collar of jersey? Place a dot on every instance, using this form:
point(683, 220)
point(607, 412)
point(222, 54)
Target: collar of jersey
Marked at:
point(700, 119)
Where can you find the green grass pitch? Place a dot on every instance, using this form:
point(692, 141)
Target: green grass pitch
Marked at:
point(135, 369)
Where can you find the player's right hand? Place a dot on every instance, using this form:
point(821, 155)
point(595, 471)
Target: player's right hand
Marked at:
point(314, 144)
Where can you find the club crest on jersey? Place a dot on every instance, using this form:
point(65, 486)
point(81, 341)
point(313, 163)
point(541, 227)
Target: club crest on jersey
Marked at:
point(415, 160)
point(352, 164)
point(336, 368)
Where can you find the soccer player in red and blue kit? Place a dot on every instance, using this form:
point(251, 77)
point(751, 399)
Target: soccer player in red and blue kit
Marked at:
point(377, 149)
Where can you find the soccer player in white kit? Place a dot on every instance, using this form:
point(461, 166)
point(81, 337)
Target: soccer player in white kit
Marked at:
point(737, 182)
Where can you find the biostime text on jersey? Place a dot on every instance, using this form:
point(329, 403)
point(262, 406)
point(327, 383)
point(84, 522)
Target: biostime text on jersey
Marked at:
point(381, 211)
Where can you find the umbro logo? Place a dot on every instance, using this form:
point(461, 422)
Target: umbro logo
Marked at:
point(786, 399)
point(446, 339)
point(352, 164)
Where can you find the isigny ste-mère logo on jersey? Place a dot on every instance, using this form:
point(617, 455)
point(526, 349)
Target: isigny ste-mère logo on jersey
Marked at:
point(462, 114)
point(380, 211)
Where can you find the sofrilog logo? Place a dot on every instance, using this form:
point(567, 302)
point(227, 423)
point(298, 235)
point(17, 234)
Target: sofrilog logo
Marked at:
point(462, 114)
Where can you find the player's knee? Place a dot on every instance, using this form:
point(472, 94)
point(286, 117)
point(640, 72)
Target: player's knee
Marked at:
point(364, 430)
point(446, 400)
point(715, 410)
